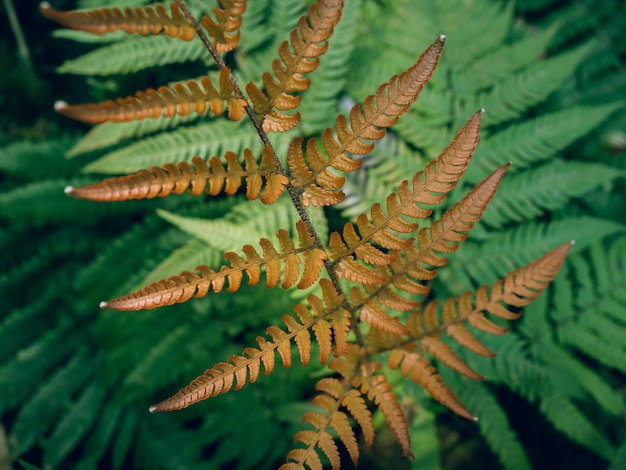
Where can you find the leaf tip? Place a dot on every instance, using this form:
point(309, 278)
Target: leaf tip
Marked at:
point(103, 304)
point(572, 242)
point(482, 110)
point(44, 6)
point(442, 37)
point(68, 190)
point(60, 105)
point(152, 409)
point(475, 419)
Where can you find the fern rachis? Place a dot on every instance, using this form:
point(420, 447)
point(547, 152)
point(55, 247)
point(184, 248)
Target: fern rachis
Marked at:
point(384, 272)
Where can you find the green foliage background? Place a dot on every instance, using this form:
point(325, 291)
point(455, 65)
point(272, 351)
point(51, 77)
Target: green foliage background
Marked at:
point(76, 382)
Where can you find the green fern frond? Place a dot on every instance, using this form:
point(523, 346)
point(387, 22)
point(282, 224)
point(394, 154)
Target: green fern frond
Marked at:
point(89, 38)
point(501, 63)
point(492, 420)
point(525, 89)
point(35, 360)
point(134, 54)
point(573, 423)
point(195, 252)
point(240, 226)
point(537, 139)
point(39, 413)
point(519, 245)
point(30, 160)
point(74, 425)
point(549, 187)
point(204, 140)
point(111, 133)
point(43, 202)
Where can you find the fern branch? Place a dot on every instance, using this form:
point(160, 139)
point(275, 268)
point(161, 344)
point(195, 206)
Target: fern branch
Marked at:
point(141, 20)
point(407, 269)
point(376, 387)
point(225, 31)
point(308, 41)
point(177, 289)
point(168, 101)
point(334, 394)
point(239, 370)
point(429, 186)
point(315, 183)
point(176, 179)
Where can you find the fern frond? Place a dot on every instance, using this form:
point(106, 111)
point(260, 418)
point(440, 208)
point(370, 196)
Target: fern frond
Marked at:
point(367, 122)
point(225, 31)
point(176, 179)
point(528, 194)
point(334, 394)
point(134, 54)
point(409, 265)
point(518, 289)
point(308, 41)
point(239, 370)
point(508, 99)
point(142, 20)
point(204, 139)
point(377, 388)
point(429, 187)
point(413, 365)
point(180, 99)
point(536, 140)
point(177, 289)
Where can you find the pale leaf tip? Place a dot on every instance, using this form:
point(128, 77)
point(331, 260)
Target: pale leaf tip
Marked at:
point(68, 189)
point(44, 6)
point(103, 304)
point(482, 110)
point(475, 418)
point(152, 409)
point(442, 37)
point(59, 105)
point(572, 242)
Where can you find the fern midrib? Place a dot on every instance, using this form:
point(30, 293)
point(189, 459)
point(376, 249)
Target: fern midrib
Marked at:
point(395, 214)
point(258, 356)
point(224, 273)
point(321, 430)
point(291, 70)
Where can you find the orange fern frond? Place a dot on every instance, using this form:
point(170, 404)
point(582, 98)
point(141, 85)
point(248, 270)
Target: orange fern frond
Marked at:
point(150, 19)
point(414, 366)
point(225, 31)
point(239, 370)
point(319, 186)
point(177, 289)
point(334, 394)
point(179, 99)
point(374, 315)
point(409, 269)
point(519, 288)
point(194, 178)
point(429, 186)
point(377, 389)
point(308, 41)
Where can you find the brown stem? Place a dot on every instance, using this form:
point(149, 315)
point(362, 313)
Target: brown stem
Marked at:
point(293, 192)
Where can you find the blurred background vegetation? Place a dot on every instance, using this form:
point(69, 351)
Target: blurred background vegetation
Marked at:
point(76, 382)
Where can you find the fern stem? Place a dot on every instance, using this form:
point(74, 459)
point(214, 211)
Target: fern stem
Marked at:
point(293, 192)
point(22, 46)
